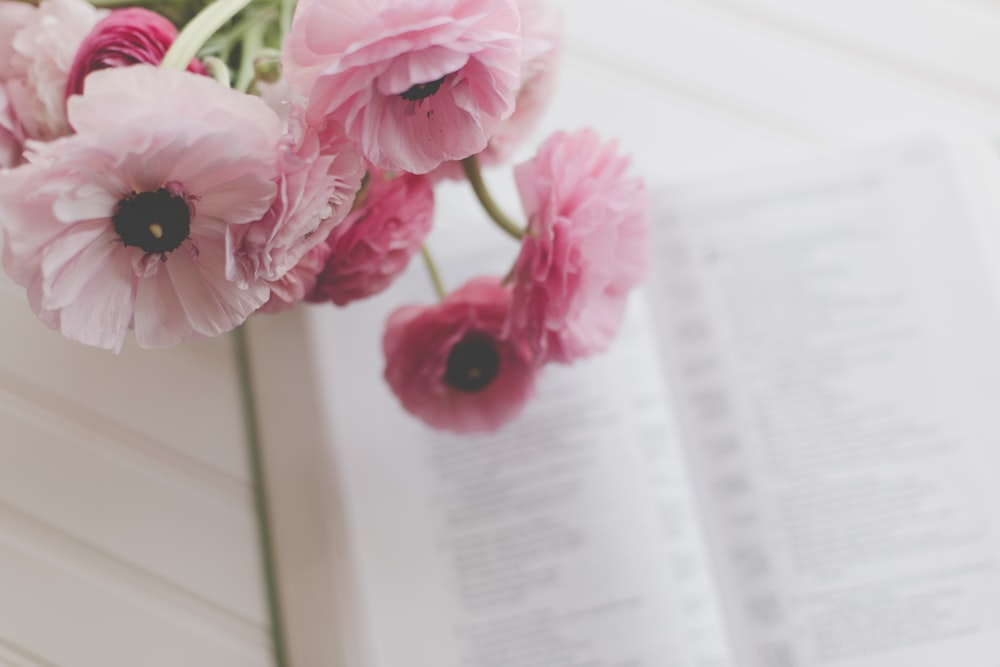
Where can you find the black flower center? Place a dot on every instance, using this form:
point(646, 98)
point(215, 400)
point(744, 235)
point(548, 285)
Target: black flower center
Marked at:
point(157, 222)
point(421, 90)
point(472, 363)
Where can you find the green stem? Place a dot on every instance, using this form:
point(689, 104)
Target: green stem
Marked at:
point(433, 271)
point(287, 9)
point(253, 42)
point(261, 507)
point(199, 30)
point(471, 167)
point(218, 69)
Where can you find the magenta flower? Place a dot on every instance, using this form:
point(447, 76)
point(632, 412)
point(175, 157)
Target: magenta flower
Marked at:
point(44, 49)
point(378, 239)
point(585, 246)
point(320, 173)
point(450, 364)
point(413, 83)
point(124, 37)
point(123, 224)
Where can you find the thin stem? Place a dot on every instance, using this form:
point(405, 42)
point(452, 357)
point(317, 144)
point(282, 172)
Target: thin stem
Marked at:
point(287, 9)
point(199, 30)
point(433, 271)
point(471, 167)
point(218, 69)
point(253, 42)
point(261, 507)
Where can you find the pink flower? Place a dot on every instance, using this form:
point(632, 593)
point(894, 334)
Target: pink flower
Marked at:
point(297, 283)
point(11, 139)
point(542, 36)
point(39, 69)
point(450, 364)
point(13, 16)
point(413, 83)
point(378, 239)
point(319, 175)
point(124, 37)
point(585, 246)
point(123, 224)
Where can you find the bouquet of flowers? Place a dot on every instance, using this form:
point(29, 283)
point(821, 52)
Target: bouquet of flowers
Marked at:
point(173, 168)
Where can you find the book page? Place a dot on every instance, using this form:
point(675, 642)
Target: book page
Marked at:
point(568, 539)
point(835, 335)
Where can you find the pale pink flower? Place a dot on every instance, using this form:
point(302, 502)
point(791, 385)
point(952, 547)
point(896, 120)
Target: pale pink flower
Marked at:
point(378, 239)
point(413, 83)
point(584, 249)
point(541, 51)
point(123, 224)
point(297, 283)
point(14, 15)
point(11, 139)
point(450, 364)
point(124, 37)
point(319, 175)
point(39, 69)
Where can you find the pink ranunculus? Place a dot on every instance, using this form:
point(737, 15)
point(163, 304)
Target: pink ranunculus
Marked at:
point(11, 139)
point(298, 282)
point(44, 49)
point(542, 38)
point(413, 83)
point(320, 173)
point(451, 365)
point(124, 37)
point(14, 15)
point(378, 239)
point(584, 250)
point(123, 224)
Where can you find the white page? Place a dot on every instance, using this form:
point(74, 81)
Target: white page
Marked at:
point(567, 540)
point(837, 339)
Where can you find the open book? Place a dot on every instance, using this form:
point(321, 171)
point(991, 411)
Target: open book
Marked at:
point(790, 458)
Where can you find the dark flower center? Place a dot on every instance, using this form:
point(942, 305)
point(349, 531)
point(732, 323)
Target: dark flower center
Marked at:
point(157, 222)
point(421, 90)
point(472, 363)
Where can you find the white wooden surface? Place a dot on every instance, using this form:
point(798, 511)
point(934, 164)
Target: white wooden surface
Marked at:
point(126, 534)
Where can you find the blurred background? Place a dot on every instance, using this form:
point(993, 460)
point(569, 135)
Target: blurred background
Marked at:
point(127, 532)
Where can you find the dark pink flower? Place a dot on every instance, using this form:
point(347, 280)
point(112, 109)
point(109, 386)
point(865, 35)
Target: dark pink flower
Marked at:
point(124, 37)
point(378, 239)
point(413, 83)
point(450, 364)
point(584, 250)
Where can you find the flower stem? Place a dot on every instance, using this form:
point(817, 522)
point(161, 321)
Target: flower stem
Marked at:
point(218, 69)
point(471, 167)
point(199, 30)
point(265, 534)
point(253, 42)
point(433, 271)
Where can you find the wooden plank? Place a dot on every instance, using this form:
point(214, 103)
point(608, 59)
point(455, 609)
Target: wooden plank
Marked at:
point(78, 482)
point(63, 613)
point(947, 42)
point(763, 72)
